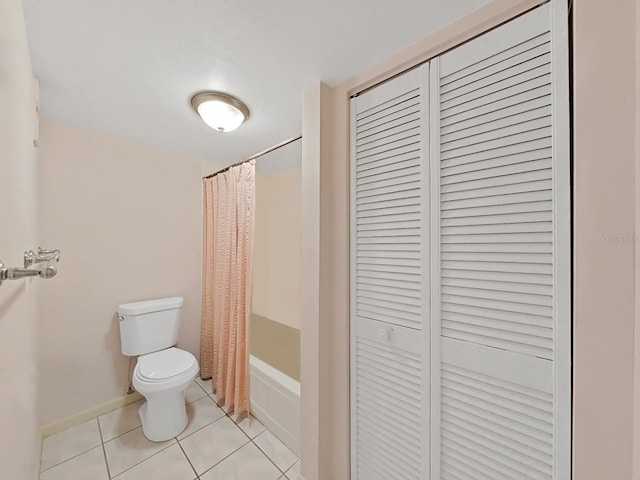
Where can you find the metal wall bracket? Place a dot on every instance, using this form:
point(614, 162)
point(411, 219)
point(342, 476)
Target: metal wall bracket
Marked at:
point(3, 272)
point(32, 258)
point(43, 256)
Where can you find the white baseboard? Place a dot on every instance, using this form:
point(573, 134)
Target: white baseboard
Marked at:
point(88, 414)
point(275, 401)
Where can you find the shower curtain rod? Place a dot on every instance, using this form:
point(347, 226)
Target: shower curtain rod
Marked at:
point(253, 157)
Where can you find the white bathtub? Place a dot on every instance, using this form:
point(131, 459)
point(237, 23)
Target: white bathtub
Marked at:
point(275, 401)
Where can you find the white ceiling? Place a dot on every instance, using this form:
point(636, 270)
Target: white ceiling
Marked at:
point(129, 67)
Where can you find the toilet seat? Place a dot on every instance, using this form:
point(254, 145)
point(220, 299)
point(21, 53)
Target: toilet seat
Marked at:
point(164, 365)
point(155, 372)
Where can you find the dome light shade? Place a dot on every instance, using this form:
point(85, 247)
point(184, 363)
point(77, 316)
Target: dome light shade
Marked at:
point(220, 111)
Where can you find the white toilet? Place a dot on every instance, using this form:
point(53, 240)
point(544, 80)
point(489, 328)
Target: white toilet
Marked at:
point(163, 373)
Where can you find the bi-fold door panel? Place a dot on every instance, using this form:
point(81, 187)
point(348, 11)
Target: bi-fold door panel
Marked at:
point(460, 263)
point(501, 316)
point(388, 208)
point(390, 303)
point(389, 389)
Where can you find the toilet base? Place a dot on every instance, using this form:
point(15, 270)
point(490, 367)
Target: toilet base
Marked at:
point(163, 416)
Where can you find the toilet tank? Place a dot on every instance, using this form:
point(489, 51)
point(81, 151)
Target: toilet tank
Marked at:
point(149, 326)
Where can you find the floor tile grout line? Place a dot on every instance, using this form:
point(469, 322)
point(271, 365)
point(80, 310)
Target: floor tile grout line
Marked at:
point(76, 455)
point(196, 399)
point(70, 458)
point(204, 389)
point(196, 431)
point(251, 440)
point(294, 464)
point(201, 387)
point(187, 457)
point(246, 434)
point(122, 434)
point(265, 453)
point(142, 461)
point(209, 424)
point(104, 451)
point(268, 457)
point(223, 459)
point(283, 472)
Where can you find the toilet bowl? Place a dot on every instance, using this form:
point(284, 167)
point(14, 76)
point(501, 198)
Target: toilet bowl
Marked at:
point(149, 330)
point(162, 378)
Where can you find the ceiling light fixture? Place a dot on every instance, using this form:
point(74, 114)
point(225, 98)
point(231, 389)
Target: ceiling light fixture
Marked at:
point(220, 111)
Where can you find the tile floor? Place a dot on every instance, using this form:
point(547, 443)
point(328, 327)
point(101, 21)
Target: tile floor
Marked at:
point(214, 446)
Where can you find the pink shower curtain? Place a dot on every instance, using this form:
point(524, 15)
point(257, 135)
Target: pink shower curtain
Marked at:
point(229, 200)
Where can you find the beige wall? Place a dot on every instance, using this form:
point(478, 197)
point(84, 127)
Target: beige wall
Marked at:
point(604, 288)
point(128, 220)
point(636, 432)
point(276, 344)
point(210, 167)
point(314, 412)
point(277, 263)
point(604, 246)
point(18, 194)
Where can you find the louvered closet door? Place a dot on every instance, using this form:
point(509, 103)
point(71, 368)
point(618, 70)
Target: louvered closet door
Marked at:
point(389, 291)
point(501, 347)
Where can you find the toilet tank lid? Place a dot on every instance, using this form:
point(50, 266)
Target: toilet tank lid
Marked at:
point(147, 306)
